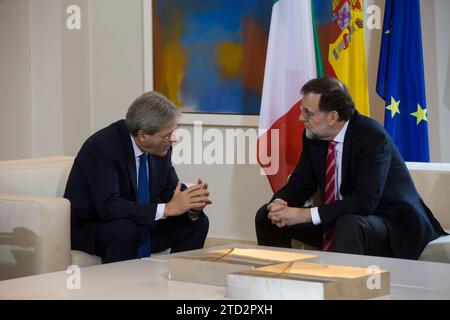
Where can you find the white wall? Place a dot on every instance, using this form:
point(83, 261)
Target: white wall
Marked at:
point(237, 192)
point(76, 78)
point(436, 42)
point(116, 52)
point(46, 85)
point(15, 79)
point(57, 86)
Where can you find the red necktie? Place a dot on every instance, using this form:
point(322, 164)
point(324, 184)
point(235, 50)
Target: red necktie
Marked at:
point(330, 193)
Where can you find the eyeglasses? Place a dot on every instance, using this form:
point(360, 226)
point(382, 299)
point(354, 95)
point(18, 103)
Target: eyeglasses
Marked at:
point(166, 138)
point(308, 114)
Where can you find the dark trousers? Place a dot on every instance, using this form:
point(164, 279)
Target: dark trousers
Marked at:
point(119, 240)
point(354, 234)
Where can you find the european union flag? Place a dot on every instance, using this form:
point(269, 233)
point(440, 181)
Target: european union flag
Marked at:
point(401, 80)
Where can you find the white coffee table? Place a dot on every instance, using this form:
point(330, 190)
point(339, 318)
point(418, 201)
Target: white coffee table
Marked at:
point(148, 279)
point(133, 279)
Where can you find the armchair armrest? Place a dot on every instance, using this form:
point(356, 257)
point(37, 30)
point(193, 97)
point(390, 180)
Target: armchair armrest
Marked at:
point(34, 235)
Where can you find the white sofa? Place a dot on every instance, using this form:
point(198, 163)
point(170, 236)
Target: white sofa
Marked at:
point(35, 218)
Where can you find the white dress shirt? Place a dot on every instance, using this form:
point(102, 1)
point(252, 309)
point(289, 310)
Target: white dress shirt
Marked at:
point(137, 152)
point(339, 139)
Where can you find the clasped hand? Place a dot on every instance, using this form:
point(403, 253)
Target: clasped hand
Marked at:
point(195, 198)
point(282, 215)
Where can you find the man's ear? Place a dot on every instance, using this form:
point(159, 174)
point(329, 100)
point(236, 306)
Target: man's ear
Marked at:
point(140, 135)
point(333, 117)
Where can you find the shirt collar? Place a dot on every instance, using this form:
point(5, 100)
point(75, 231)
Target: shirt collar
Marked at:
point(137, 151)
point(341, 135)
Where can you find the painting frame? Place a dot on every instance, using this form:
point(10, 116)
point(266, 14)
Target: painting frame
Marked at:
point(188, 118)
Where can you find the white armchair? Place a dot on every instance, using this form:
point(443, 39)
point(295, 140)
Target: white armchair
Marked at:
point(35, 218)
point(432, 181)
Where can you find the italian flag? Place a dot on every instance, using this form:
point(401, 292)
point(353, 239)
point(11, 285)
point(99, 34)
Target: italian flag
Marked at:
point(290, 63)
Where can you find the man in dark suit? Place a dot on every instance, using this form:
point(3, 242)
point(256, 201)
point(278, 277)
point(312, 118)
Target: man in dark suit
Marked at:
point(126, 199)
point(370, 205)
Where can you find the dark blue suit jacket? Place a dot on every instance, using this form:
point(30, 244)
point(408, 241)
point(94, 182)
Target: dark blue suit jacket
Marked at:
point(375, 181)
point(102, 184)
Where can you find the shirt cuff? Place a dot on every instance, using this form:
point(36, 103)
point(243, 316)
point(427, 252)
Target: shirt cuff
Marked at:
point(160, 211)
point(315, 216)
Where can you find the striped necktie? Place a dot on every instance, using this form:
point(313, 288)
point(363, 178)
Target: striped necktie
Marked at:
point(330, 193)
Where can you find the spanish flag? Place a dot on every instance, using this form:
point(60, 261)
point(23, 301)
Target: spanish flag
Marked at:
point(347, 53)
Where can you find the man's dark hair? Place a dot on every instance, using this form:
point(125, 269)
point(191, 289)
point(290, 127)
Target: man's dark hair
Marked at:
point(334, 96)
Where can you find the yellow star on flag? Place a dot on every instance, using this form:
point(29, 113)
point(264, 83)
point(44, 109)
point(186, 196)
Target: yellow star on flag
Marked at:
point(393, 107)
point(420, 114)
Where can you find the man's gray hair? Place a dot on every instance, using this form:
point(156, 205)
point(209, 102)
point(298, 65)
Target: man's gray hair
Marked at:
point(151, 112)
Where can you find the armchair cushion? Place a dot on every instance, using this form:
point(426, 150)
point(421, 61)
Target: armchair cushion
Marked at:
point(35, 218)
point(40, 176)
point(33, 235)
point(432, 181)
point(437, 250)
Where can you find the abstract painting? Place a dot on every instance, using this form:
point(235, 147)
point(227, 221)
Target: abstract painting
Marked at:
point(209, 55)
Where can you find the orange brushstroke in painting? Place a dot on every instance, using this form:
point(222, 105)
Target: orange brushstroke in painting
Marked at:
point(171, 58)
point(255, 47)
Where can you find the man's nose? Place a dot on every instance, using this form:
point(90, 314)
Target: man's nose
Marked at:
point(302, 117)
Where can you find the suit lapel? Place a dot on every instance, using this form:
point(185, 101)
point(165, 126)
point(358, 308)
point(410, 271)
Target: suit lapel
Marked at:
point(152, 177)
point(131, 167)
point(319, 151)
point(323, 165)
point(130, 159)
point(347, 149)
